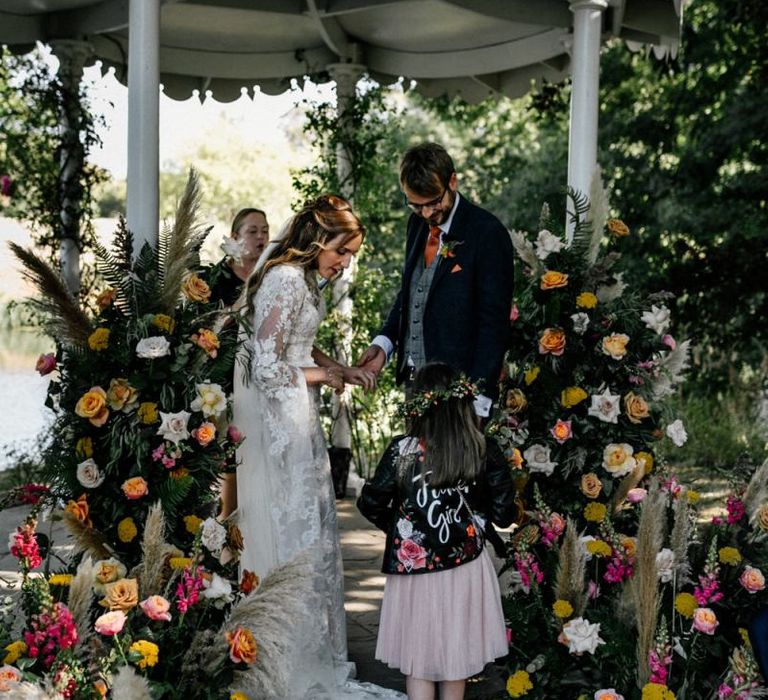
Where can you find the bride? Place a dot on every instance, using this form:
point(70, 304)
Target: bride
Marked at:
point(285, 496)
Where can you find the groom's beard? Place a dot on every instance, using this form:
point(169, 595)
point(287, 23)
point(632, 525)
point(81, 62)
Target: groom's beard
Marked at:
point(440, 217)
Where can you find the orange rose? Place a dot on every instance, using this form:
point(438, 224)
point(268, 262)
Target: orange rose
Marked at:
point(591, 486)
point(516, 401)
point(135, 488)
point(552, 341)
point(80, 510)
point(207, 340)
point(635, 407)
point(121, 595)
point(105, 299)
point(553, 280)
point(121, 396)
point(242, 646)
point(516, 458)
point(249, 582)
point(93, 406)
point(196, 289)
point(629, 544)
point(205, 433)
point(617, 227)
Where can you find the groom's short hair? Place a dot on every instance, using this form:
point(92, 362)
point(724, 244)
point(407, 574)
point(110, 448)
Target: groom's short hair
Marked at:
point(426, 168)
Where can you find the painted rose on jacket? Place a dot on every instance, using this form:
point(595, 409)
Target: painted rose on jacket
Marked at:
point(412, 555)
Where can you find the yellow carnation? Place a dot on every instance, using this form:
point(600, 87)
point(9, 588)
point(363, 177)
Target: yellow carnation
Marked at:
point(685, 604)
point(599, 548)
point(595, 512)
point(126, 530)
point(572, 396)
point(586, 300)
point(164, 322)
point(531, 374)
point(518, 684)
point(99, 339)
point(15, 651)
point(729, 555)
point(60, 580)
point(147, 650)
point(647, 459)
point(192, 523)
point(657, 691)
point(180, 562)
point(562, 609)
point(147, 413)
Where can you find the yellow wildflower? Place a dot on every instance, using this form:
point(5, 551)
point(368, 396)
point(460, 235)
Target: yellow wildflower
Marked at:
point(599, 548)
point(147, 413)
point(729, 555)
point(595, 512)
point(518, 684)
point(15, 651)
point(562, 608)
point(149, 653)
point(60, 579)
point(127, 530)
point(531, 374)
point(586, 300)
point(192, 523)
point(99, 339)
point(685, 604)
point(571, 396)
point(180, 562)
point(692, 496)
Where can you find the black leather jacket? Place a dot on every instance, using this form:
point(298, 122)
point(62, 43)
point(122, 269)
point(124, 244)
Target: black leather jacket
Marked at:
point(434, 529)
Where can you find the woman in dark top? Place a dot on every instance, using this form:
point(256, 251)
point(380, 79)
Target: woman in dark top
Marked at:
point(436, 491)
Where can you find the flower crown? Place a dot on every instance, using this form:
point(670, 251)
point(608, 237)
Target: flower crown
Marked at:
point(419, 404)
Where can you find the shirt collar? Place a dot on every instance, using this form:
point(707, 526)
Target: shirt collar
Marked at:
point(445, 227)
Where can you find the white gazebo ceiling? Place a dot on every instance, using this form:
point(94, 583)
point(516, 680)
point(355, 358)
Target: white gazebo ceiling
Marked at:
point(469, 47)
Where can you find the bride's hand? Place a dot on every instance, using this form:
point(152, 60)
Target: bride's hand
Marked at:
point(334, 379)
point(359, 377)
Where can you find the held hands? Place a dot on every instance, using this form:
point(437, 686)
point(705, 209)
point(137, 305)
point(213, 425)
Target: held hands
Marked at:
point(358, 376)
point(372, 360)
point(334, 379)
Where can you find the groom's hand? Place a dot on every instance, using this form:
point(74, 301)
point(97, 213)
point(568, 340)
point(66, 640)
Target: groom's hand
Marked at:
point(373, 359)
point(357, 376)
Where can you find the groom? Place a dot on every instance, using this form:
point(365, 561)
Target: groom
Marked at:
point(456, 292)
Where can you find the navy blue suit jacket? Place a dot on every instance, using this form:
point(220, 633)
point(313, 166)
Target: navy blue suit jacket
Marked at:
point(466, 320)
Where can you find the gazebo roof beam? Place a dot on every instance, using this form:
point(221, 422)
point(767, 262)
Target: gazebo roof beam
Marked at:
point(15, 29)
point(283, 7)
point(552, 13)
point(333, 8)
point(105, 17)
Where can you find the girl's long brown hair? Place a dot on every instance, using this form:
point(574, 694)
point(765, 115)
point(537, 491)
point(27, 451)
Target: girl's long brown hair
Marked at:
point(454, 443)
point(309, 232)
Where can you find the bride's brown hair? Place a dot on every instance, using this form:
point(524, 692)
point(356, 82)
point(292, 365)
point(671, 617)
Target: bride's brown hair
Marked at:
point(309, 231)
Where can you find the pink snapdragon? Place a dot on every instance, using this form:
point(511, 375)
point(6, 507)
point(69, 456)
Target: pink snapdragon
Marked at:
point(735, 508)
point(619, 569)
point(659, 663)
point(552, 529)
point(51, 631)
point(188, 590)
point(708, 590)
point(529, 570)
point(24, 547)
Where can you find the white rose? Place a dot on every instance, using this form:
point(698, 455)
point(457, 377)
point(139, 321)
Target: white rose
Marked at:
point(152, 347)
point(211, 399)
point(217, 588)
point(585, 540)
point(213, 536)
point(657, 319)
point(537, 459)
point(618, 459)
point(582, 636)
point(174, 426)
point(676, 433)
point(580, 322)
point(547, 243)
point(404, 528)
point(605, 406)
point(89, 475)
point(233, 248)
point(665, 565)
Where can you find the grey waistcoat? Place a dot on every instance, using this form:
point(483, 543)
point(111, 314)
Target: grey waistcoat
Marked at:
point(414, 353)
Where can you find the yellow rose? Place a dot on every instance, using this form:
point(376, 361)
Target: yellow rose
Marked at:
point(15, 651)
point(646, 459)
point(105, 299)
point(192, 524)
point(595, 512)
point(617, 227)
point(127, 530)
point(562, 609)
point(122, 594)
point(518, 684)
point(552, 342)
point(207, 340)
point(629, 544)
point(147, 413)
point(121, 396)
point(615, 345)
point(196, 289)
point(685, 604)
point(80, 510)
point(591, 486)
point(729, 555)
point(516, 458)
point(93, 406)
point(761, 519)
point(599, 548)
point(572, 396)
point(516, 401)
point(135, 487)
point(531, 374)
point(586, 300)
point(84, 448)
point(99, 339)
point(635, 407)
point(148, 651)
point(553, 280)
point(164, 322)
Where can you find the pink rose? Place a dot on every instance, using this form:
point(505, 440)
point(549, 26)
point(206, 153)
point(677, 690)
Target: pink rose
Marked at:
point(636, 495)
point(752, 579)
point(110, 623)
point(234, 435)
point(669, 341)
point(45, 364)
point(412, 555)
point(156, 608)
point(510, 636)
point(705, 620)
point(514, 314)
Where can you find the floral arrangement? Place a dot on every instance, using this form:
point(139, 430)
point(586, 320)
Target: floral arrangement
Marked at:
point(140, 441)
point(612, 590)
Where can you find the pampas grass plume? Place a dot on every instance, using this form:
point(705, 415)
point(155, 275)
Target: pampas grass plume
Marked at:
point(129, 685)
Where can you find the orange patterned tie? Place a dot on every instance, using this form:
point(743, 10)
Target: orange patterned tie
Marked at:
point(433, 243)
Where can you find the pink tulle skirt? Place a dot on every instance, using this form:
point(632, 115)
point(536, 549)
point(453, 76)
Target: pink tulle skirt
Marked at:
point(443, 626)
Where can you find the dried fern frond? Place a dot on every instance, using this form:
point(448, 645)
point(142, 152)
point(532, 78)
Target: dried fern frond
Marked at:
point(569, 581)
point(155, 550)
point(81, 597)
point(525, 250)
point(757, 491)
point(129, 685)
point(86, 539)
point(179, 246)
point(65, 320)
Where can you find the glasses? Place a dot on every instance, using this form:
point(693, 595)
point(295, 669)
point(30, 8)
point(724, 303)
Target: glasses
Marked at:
point(431, 204)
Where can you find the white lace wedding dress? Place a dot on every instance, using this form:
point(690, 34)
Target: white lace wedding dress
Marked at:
point(286, 503)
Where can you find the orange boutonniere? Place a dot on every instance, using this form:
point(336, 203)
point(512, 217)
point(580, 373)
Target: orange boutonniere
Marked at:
point(447, 250)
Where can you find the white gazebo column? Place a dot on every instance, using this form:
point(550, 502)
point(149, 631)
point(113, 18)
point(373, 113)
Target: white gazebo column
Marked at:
point(72, 57)
point(345, 75)
point(143, 121)
point(585, 60)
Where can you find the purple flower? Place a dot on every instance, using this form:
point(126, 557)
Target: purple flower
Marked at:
point(6, 185)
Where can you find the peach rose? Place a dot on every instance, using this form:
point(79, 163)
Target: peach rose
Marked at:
point(516, 401)
point(608, 694)
point(196, 289)
point(617, 227)
point(121, 595)
point(108, 571)
point(135, 488)
point(205, 433)
point(552, 341)
point(705, 620)
point(635, 407)
point(615, 345)
point(93, 406)
point(156, 608)
point(561, 431)
point(761, 518)
point(45, 364)
point(618, 459)
point(207, 340)
point(752, 579)
point(80, 510)
point(553, 280)
point(121, 396)
point(591, 486)
point(110, 623)
point(9, 676)
point(516, 458)
point(242, 646)
point(105, 299)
